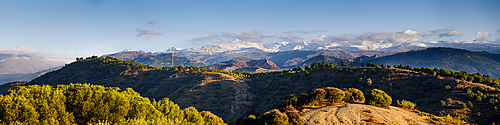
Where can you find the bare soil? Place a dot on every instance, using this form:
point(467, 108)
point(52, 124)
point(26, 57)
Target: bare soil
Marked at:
point(361, 114)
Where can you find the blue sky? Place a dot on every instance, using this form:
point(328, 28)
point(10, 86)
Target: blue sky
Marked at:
point(78, 27)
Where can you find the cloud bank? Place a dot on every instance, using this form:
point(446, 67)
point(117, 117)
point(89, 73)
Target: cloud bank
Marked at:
point(370, 38)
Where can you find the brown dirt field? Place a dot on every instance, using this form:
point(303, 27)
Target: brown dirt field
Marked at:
point(361, 114)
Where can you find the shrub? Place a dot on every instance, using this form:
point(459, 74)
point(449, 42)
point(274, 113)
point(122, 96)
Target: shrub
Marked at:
point(348, 97)
point(317, 96)
point(250, 120)
point(293, 100)
point(334, 94)
point(357, 94)
point(464, 105)
point(274, 117)
point(211, 119)
point(378, 98)
point(406, 104)
point(469, 104)
point(294, 118)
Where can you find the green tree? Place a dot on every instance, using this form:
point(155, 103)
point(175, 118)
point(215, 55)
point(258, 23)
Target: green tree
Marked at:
point(378, 98)
point(211, 119)
point(369, 81)
point(274, 117)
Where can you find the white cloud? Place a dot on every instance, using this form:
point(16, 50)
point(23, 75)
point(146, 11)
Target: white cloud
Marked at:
point(406, 36)
point(498, 32)
point(153, 22)
point(482, 36)
point(254, 36)
point(147, 32)
point(452, 33)
point(305, 31)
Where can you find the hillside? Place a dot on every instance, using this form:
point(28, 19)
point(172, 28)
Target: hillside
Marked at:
point(204, 89)
point(439, 94)
point(246, 65)
point(447, 58)
point(156, 59)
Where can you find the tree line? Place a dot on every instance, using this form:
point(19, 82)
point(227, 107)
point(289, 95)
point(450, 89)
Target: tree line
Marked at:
point(86, 103)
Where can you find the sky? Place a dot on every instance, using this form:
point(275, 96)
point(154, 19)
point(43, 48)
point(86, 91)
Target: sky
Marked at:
point(97, 27)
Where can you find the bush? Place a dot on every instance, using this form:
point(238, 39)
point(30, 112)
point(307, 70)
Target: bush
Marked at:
point(294, 118)
point(378, 98)
point(317, 96)
point(357, 94)
point(250, 120)
point(211, 119)
point(334, 94)
point(407, 104)
point(274, 117)
point(469, 104)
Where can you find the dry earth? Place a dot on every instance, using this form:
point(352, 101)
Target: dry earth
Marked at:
point(361, 114)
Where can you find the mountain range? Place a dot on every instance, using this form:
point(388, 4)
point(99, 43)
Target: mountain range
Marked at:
point(13, 66)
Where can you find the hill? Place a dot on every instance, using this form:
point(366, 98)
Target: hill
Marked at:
point(156, 59)
point(233, 95)
point(440, 93)
point(205, 89)
point(246, 65)
point(446, 58)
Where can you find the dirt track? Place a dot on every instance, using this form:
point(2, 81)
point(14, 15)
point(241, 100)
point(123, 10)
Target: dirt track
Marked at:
point(359, 114)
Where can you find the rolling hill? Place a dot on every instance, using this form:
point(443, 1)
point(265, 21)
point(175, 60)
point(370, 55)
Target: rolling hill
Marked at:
point(234, 95)
point(204, 89)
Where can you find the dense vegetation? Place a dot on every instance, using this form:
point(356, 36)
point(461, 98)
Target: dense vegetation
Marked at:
point(85, 103)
